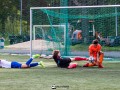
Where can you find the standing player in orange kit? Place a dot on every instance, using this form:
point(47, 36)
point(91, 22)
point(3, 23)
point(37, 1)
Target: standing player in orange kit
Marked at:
point(95, 53)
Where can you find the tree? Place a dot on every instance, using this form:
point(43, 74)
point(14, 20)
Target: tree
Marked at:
point(7, 8)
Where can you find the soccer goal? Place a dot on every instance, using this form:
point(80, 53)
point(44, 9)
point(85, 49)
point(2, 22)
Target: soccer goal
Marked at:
point(53, 23)
point(48, 32)
point(48, 37)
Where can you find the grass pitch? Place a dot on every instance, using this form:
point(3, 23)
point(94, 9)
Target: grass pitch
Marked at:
point(80, 78)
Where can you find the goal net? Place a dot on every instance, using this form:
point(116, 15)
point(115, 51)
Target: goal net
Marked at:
point(49, 37)
point(91, 21)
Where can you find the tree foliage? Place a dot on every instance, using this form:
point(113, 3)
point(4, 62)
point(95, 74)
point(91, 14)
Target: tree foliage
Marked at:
point(10, 8)
point(7, 8)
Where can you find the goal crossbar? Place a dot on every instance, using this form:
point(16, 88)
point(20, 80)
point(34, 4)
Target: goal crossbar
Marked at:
point(96, 6)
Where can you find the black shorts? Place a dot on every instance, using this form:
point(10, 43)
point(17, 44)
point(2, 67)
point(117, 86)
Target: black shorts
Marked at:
point(64, 63)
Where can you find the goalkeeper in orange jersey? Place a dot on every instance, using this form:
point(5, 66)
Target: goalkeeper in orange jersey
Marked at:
point(96, 54)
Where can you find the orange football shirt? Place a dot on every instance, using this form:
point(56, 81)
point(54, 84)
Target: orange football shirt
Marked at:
point(93, 50)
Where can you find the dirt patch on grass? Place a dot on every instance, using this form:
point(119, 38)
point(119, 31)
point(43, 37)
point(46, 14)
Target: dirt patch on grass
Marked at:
point(36, 45)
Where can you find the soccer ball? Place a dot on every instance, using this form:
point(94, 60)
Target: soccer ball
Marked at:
point(91, 59)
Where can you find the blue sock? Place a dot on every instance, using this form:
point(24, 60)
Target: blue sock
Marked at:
point(29, 61)
point(34, 64)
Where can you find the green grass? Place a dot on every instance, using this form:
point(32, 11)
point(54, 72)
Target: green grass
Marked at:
point(84, 47)
point(38, 78)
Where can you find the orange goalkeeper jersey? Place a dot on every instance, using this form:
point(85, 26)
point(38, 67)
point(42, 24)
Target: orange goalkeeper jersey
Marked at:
point(93, 50)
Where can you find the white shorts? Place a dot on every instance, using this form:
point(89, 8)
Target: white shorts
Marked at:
point(5, 64)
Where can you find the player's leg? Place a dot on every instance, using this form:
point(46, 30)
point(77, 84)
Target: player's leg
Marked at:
point(36, 64)
point(89, 65)
point(33, 57)
point(24, 66)
point(79, 59)
point(72, 65)
point(33, 65)
point(101, 56)
point(29, 61)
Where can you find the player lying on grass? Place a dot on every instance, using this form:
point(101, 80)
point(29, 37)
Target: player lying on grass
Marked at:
point(14, 64)
point(66, 62)
point(95, 53)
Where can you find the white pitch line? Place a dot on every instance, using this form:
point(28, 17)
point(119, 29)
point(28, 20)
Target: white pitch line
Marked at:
point(99, 69)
